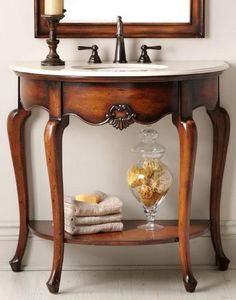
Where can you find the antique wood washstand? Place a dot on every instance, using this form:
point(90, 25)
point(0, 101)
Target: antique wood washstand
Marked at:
point(120, 99)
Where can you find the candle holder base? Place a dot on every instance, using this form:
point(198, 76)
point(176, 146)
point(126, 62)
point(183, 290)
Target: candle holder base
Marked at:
point(53, 59)
point(50, 62)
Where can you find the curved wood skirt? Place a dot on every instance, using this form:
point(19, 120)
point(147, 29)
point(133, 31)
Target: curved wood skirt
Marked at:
point(131, 235)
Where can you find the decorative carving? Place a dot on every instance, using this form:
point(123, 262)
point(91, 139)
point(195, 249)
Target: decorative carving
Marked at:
point(120, 116)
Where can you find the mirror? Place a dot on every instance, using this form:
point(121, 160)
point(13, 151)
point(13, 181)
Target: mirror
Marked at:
point(170, 18)
point(80, 11)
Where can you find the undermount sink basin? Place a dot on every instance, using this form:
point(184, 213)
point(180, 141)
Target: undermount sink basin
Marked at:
point(121, 67)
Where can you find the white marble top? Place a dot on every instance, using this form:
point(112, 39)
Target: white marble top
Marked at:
point(160, 68)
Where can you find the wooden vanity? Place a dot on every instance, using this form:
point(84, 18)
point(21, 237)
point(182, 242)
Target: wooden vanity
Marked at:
point(120, 99)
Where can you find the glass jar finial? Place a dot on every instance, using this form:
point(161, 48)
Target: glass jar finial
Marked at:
point(148, 146)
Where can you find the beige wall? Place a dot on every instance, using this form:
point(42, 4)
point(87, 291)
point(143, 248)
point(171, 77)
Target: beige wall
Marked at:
point(98, 157)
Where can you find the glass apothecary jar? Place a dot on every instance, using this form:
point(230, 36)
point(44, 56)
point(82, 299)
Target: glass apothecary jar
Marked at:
point(149, 180)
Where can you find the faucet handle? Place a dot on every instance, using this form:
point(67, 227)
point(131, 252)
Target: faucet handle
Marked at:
point(94, 58)
point(144, 58)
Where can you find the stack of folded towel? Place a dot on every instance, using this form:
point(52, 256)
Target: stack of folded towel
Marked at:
point(87, 218)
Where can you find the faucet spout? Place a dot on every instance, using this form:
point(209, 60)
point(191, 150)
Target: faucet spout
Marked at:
point(120, 56)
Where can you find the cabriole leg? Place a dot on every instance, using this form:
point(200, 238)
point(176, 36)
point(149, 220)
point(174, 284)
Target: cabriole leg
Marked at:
point(53, 147)
point(221, 128)
point(188, 142)
point(15, 126)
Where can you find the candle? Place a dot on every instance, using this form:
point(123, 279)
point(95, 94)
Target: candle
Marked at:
point(53, 7)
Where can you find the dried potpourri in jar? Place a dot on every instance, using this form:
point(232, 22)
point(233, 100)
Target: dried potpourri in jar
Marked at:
point(150, 179)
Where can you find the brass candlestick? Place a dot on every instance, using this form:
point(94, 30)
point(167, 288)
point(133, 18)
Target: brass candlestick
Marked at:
point(53, 59)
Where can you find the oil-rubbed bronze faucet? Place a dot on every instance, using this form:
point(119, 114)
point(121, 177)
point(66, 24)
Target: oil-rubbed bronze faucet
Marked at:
point(144, 58)
point(120, 56)
point(94, 58)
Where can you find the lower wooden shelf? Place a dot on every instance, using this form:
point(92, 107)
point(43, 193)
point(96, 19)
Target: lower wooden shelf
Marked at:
point(131, 235)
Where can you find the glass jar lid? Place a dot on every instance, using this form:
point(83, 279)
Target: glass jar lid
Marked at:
point(148, 146)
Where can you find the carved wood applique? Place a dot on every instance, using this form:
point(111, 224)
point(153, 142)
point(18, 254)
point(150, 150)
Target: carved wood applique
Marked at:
point(120, 116)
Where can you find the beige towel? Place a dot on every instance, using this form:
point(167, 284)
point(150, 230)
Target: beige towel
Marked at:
point(109, 206)
point(74, 221)
point(109, 227)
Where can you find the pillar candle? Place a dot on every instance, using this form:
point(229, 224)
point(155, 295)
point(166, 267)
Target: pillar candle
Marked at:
point(53, 7)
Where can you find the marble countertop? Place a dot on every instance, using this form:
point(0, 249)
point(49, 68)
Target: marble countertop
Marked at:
point(160, 68)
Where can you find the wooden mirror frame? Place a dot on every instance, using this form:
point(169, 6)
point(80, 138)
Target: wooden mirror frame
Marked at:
point(195, 28)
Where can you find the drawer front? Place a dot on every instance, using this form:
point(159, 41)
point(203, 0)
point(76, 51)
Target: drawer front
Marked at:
point(96, 102)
